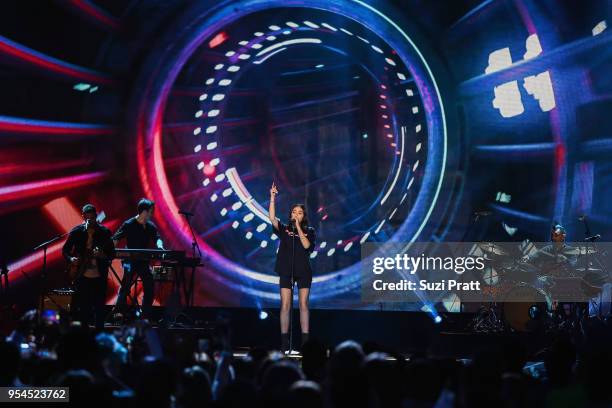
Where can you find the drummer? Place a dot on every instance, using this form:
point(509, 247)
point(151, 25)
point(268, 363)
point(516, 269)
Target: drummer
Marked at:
point(559, 260)
point(557, 256)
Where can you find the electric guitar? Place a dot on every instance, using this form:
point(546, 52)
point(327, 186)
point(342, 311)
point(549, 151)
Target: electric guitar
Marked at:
point(75, 270)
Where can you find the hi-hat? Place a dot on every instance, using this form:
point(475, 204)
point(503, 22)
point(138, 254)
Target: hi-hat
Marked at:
point(491, 248)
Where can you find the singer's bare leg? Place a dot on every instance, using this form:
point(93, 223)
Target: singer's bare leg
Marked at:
point(304, 313)
point(285, 294)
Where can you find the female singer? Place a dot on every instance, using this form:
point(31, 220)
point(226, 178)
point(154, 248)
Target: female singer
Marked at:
point(297, 240)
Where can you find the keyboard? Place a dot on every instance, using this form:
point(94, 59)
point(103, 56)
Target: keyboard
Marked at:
point(131, 254)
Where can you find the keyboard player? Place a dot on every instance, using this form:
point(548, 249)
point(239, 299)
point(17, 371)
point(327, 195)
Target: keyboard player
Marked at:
point(139, 232)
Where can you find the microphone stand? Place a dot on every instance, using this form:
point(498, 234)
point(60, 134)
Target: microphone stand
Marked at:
point(194, 248)
point(293, 230)
point(4, 283)
point(43, 275)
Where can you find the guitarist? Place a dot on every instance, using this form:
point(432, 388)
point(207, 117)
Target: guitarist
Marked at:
point(89, 250)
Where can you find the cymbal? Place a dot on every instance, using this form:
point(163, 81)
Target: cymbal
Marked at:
point(491, 248)
point(525, 267)
point(588, 270)
point(580, 251)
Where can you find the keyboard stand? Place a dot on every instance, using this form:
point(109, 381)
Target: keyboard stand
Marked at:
point(134, 299)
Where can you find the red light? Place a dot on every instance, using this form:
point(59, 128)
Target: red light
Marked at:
point(218, 39)
point(209, 170)
point(63, 213)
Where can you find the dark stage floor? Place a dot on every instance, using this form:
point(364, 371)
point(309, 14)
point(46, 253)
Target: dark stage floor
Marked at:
point(407, 333)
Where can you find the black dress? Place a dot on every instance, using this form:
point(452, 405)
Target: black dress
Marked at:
point(302, 271)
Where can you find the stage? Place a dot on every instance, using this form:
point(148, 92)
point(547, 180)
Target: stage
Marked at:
point(409, 334)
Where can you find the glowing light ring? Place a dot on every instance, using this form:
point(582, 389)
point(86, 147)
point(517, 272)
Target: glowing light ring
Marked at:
point(148, 108)
point(261, 213)
point(267, 53)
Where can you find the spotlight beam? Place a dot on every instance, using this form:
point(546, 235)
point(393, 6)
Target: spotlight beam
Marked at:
point(34, 126)
point(317, 102)
point(197, 91)
point(306, 156)
point(308, 131)
point(473, 13)
point(521, 215)
point(47, 63)
point(597, 149)
point(23, 169)
point(519, 152)
point(191, 194)
point(226, 152)
point(229, 122)
point(326, 68)
point(211, 232)
point(41, 188)
point(310, 119)
point(326, 178)
point(323, 86)
point(89, 11)
point(355, 194)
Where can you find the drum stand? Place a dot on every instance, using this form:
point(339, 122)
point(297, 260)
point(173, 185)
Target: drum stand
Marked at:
point(487, 320)
point(590, 245)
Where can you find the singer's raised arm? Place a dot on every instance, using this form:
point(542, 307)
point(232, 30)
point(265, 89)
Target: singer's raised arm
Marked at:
point(272, 208)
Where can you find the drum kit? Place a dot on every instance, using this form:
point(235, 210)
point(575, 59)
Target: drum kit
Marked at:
point(524, 297)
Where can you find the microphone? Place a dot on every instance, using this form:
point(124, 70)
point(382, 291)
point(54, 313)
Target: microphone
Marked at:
point(582, 217)
point(482, 213)
point(90, 225)
point(185, 213)
point(593, 238)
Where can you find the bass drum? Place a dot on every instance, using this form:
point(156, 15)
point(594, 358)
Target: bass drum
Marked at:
point(525, 308)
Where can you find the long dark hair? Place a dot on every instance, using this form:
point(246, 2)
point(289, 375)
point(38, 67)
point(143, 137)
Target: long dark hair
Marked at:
point(304, 223)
